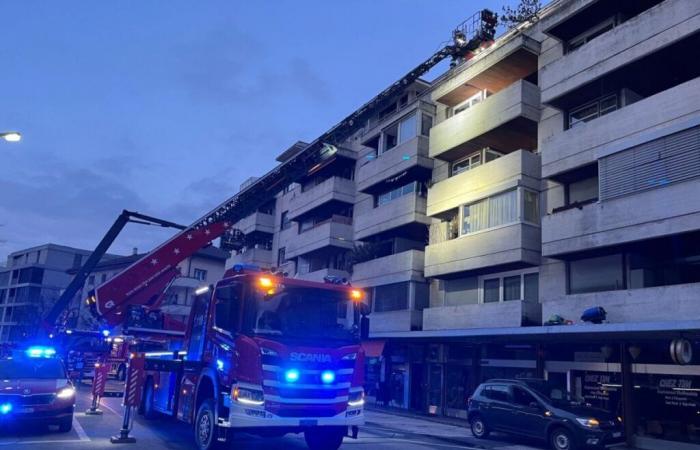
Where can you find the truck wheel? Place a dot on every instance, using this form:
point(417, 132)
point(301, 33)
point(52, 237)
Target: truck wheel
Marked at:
point(205, 429)
point(65, 425)
point(147, 402)
point(324, 438)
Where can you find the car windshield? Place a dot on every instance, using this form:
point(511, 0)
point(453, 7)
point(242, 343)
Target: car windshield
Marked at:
point(41, 368)
point(554, 394)
point(303, 313)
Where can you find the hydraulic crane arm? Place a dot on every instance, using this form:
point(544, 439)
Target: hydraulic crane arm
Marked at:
point(143, 282)
point(79, 279)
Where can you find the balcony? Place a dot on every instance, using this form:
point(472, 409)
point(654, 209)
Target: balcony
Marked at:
point(257, 221)
point(396, 268)
point(507, 120)
point(411, 156)
point(408, 209)
point(403, 320)
point(335, 232)
point(519, 168)
point(333, 189)
point(651, 30)
point(318, 275)
point(629, 126)
point(667, 210)
point(255, 256)
point(655, 304)
point(514, 313)
point(513, 245)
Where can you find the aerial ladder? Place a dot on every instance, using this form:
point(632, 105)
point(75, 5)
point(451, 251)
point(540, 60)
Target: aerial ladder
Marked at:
point(142, 283)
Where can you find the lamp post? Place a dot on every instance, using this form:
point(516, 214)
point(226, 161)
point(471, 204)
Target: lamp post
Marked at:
point(11, 136)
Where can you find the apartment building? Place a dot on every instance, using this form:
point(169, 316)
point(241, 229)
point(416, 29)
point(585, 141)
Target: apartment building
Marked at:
point(30, 282)
point(491, 207)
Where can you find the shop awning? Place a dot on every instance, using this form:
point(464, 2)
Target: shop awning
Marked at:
point(373, 349)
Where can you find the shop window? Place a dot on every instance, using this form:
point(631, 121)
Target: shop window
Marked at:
point(600, 273)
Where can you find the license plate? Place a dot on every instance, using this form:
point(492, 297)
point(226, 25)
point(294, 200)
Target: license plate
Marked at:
point(308, 423)
point(25, 410)
point(617, 434)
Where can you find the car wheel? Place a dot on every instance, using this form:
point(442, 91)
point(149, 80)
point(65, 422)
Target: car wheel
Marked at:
point(561, 439)
point(65, 425)
point(324, 438)
point(205, 427)
point(147, 407)
point(479, 428)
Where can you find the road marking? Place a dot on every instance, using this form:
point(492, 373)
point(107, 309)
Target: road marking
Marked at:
point(79, 429)
point(110, 409)
point(51, 441)
point(408, 441)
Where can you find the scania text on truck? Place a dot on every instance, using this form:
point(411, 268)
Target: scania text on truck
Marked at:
point(268, 355)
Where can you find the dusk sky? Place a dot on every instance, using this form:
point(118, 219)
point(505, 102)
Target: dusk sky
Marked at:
point(165, 107)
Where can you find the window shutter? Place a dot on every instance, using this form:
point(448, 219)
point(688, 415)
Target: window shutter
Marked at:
point(667, 160)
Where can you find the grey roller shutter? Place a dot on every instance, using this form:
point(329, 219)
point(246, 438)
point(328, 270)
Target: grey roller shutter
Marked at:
point(667, 160)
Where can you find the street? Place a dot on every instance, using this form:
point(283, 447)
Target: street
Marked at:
point(383, 431)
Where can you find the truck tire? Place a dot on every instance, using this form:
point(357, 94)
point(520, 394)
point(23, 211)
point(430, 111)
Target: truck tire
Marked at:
point(147, 401)
point(324, 438)
point(205, 429)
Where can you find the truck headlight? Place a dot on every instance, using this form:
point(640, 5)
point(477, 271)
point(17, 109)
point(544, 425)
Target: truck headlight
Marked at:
point(247, 396)
point(66, 392)
point(588, 423)
point(356, 398)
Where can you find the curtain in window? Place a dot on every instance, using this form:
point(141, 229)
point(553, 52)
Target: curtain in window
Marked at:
point(503, 209)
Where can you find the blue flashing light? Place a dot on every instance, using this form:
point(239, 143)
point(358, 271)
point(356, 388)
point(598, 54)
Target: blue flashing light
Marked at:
point(105, 333)
point(219, 364)
point(41, 352)
point(328, 376)
point(292, 375)
point(5, 408)
point(238, 268)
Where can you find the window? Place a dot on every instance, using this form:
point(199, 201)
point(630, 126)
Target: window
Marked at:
point(590, 34)
point(391, 297)
point(501, 209)
point(497, 392)
point(408, 128)
point(228, 308)
point(200, 274)
point(306, 224)
point(582, 191)
point(522, 397)
point(531, 209)
point(600, 273)
point(492, 289)
point(473, 160)
point(398, 192)
point(426, 124)
point(285, 223)
point(468, 103)
point(511, 288)
point(593, 110)
point(461, 291)
point(390, 137)
point(531, 287)
point(281, 257)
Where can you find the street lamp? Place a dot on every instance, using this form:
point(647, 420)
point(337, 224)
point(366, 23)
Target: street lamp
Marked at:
point(11, 136)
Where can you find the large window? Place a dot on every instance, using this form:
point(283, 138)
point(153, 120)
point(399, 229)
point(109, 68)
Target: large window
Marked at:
point(501, 209)
point(473, 160)
point(399, 132)
point(408, 128)
point(468, 103)
point(391, 297)
point(400, 191)
point(492, 288)
point(508, 286)
point(599, 273)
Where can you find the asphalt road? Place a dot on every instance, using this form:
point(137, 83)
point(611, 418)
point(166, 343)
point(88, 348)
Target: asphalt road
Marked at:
point(383, 432)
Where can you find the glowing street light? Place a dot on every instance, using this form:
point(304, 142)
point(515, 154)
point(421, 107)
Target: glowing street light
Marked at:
point(11, 136)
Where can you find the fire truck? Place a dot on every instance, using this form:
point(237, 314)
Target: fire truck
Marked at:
point(262, 353)
point(268, 355)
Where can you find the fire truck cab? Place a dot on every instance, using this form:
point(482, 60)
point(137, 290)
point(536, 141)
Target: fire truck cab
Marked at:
point(268, 355)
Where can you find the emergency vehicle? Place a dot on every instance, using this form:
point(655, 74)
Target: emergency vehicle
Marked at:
point(35, 389)
point(268, 355)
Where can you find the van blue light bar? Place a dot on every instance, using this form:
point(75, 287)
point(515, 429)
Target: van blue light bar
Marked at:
point(41, 352)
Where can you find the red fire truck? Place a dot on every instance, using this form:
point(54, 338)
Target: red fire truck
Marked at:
point(268, 355)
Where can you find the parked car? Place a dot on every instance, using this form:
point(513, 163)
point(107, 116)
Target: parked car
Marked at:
point(35, 389)
point(535, 409)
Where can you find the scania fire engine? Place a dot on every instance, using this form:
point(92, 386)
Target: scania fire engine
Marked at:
point(268, 355)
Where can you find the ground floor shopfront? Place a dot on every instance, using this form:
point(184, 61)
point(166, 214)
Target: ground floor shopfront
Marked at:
point(629, 372)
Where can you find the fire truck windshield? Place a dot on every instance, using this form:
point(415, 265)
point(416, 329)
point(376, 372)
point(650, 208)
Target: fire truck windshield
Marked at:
point(302, 313)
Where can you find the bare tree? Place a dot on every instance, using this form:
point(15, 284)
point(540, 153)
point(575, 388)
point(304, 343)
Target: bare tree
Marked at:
point(525, 11)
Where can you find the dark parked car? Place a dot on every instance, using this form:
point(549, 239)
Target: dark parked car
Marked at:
point(535, 409)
